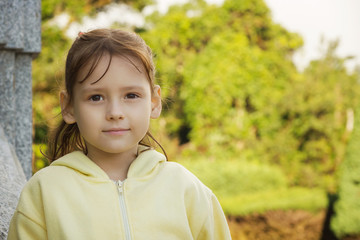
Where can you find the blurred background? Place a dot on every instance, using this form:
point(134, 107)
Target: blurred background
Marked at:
point(261, 102)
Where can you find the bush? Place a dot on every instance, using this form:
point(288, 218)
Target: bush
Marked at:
point(231, 177)
point(244, 188)
point(276, 199)
point(40, 161)
point(347, 209)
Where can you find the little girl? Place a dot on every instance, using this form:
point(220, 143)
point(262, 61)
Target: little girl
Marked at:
point(105, 180)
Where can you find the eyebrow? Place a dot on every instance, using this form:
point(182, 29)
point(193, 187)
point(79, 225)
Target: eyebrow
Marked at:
point(126, 88)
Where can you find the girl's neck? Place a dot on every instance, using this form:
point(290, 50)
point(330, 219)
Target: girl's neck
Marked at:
point(115, 165)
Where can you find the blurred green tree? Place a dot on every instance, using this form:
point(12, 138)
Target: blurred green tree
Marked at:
point(233, 90)
point(346, 221)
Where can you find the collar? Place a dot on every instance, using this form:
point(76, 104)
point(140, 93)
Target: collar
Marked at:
point(144, 164)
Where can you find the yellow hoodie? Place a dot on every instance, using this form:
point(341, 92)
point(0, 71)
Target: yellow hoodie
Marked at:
point(74, 198)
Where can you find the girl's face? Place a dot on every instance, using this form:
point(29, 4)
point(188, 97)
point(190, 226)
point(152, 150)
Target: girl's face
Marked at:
point(113, 114)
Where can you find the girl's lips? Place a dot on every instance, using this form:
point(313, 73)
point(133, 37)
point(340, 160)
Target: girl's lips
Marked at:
point(116, 131)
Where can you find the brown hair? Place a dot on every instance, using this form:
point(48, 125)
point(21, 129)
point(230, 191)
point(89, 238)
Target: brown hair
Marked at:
point(87, 50)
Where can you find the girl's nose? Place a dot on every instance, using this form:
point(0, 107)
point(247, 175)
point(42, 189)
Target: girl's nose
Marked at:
point(114, 111)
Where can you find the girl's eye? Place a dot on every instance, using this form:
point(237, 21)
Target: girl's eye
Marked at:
point(96, 98)
point(131, 95)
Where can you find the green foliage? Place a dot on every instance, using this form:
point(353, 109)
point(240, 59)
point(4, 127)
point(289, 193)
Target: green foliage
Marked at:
point(277, 199)
point(52, 55)
point(347, 208)
point(40, 161)
point(245, 188)
point(230, 48)
point(78, 9)
point(231, 86)
point(48, 73)
point(51, 8)
point(312, 119)
point(239, 90)
point(232, 177)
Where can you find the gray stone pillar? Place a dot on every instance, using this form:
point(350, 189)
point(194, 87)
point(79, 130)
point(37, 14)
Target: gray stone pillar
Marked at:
point(20, 42)
point(23, 113)
point(12, 180)
point(7, 95)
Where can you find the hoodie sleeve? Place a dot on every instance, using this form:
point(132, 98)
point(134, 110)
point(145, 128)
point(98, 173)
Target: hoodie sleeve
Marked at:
point(28, 219)
point(23, 227)
point(215, 226)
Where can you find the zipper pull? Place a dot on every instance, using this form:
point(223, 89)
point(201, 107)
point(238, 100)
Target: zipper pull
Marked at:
point(119, 185)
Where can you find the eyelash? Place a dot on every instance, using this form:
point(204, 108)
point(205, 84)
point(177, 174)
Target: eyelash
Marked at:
point(93, 96)
point(133, 96)
point(127, 96)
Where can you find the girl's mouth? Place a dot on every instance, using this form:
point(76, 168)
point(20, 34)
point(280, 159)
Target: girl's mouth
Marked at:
point(116, 131)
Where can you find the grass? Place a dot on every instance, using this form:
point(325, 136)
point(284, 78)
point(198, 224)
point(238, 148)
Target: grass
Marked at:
point(245, 188)
point(276, 199)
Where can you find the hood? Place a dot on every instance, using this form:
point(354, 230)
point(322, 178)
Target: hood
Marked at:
point(145, 163)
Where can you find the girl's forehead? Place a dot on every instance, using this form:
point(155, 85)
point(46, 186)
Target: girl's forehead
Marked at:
point(95, 69)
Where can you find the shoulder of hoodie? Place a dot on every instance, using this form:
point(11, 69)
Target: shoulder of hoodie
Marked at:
point(31, 194)
point(49, 172)
point(179, 174)
point(198, 198)
point(49, 175)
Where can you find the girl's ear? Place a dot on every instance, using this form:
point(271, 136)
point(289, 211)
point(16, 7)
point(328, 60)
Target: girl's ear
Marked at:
point(67, 111)
point(156, 105)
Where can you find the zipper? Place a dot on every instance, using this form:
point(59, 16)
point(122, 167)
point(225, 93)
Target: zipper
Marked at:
point(120, 187)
